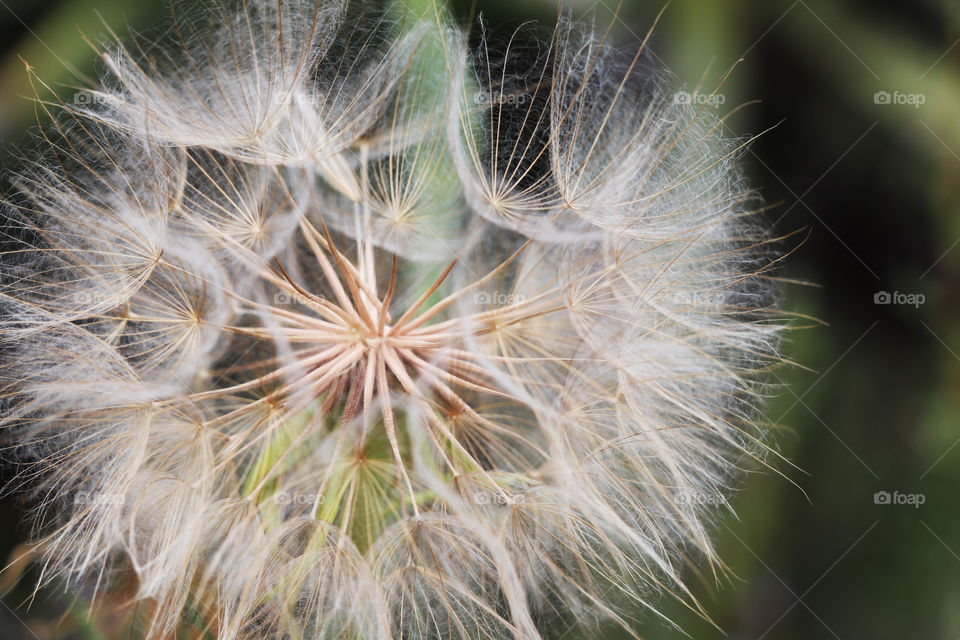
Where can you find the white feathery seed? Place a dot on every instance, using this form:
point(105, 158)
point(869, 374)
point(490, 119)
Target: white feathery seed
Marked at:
point(328, 323)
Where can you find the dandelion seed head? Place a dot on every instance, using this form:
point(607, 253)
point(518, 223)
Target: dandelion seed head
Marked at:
point(314, 342)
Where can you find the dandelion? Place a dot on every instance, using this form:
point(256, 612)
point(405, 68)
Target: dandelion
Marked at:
point(330, 325)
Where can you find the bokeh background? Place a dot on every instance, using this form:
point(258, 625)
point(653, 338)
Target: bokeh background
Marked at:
point(860, 101)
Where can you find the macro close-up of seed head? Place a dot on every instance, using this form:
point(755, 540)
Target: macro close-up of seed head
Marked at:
point(338, 321)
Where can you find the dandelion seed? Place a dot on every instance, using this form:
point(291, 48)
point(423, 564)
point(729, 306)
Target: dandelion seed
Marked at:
point(351, 353)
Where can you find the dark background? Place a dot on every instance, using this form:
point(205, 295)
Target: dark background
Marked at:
point(873, 404)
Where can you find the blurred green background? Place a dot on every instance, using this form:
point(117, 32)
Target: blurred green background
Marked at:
point(865, 156)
